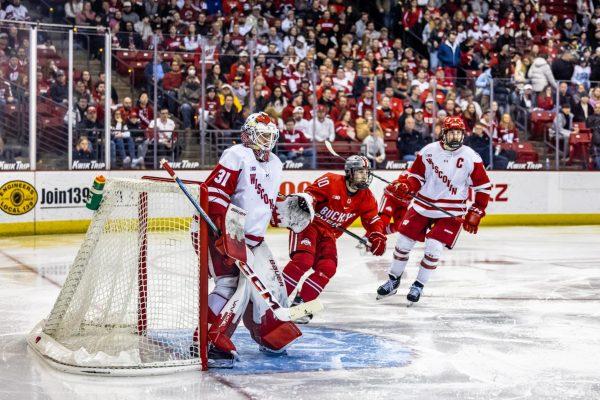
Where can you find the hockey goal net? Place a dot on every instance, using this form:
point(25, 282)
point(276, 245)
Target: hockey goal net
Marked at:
point(137, 289)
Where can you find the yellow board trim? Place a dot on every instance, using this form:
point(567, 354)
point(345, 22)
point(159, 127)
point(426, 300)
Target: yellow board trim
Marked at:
point(79, 226)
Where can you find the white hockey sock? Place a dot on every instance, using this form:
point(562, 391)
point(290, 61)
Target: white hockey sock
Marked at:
point(403, 247)
point(431, 258)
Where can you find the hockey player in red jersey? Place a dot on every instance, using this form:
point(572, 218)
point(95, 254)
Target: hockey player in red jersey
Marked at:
point(338, 201)
point(247, 176)
point(442, 174)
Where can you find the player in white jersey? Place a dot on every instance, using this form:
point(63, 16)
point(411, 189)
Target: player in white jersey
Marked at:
point(248, 175)
point(442, 174)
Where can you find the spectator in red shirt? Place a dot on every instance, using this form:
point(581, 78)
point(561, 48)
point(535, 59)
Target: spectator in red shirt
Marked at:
point(171, 83)
point(507, 132)
point(173, 42)
point(295, 146)
point(411, 17)
point(545, 99)
point(144, 111)
point(386, 117)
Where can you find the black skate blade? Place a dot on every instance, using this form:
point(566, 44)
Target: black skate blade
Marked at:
point(383, 296)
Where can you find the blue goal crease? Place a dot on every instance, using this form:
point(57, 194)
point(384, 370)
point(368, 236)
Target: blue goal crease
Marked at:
point(319, 349)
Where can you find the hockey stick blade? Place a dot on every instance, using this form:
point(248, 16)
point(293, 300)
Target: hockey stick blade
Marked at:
point(330, 148)
point(309, 308)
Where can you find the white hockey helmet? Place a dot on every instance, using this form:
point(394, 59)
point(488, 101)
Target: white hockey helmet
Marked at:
point(358, 172)
point(260, 134)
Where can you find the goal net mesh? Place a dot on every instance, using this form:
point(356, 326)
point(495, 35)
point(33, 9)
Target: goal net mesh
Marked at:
point(131, 298)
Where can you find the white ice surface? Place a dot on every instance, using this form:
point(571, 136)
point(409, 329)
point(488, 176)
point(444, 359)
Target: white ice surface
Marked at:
point(512, 313)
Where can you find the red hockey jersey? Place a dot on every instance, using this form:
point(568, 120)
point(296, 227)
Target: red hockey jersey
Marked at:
point(335, 207)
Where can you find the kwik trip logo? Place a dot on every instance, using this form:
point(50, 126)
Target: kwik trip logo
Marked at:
point(17, 197)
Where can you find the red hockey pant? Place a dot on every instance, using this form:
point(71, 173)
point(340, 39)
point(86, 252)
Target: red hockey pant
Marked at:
point(310, 249)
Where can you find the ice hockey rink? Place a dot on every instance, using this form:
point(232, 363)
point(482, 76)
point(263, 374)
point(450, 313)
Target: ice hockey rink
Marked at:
point(511, 313)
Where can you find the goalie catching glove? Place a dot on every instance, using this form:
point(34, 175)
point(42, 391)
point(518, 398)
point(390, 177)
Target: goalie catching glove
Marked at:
point(472, 219)
point(294, 212)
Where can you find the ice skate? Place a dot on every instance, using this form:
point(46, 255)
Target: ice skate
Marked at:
point(305, 319)
point(219, 358)
point(414, 294)
point(389, 288)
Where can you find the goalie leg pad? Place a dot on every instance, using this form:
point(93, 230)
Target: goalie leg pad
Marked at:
point(270, 332)
point(300, 263)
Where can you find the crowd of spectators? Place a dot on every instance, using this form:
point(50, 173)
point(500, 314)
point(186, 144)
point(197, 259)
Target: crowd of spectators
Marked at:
point(382, 75)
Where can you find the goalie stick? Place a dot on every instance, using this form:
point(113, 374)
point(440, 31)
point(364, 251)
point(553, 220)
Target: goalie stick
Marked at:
point(334, 153)
point(280, 312)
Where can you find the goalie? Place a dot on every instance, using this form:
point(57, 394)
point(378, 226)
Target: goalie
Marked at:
point(248, 176)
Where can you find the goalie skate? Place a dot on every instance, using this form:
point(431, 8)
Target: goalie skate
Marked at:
point(389, 288)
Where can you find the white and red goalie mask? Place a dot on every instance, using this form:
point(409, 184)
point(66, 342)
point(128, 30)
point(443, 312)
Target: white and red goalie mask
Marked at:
point(260, 134)
point(453, 133)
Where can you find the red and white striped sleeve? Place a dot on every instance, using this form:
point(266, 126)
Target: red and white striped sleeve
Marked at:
point(416, 174)
point(481, 185)
point(222, 183)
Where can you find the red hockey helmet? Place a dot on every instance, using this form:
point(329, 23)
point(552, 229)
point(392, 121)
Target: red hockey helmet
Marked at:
point(453, 132)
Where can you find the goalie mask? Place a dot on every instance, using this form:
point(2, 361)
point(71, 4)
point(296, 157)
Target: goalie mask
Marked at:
point(260, 134)
point(453, 133)
point(358, 172)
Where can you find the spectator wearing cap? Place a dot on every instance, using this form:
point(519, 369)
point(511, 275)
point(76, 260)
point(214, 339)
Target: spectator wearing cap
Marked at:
point(449, 52)
point(583, 109)
point(226, 90)
point(189, 97)
point(211, 105)
point(409, 141)
point(541, 74)
point(415, 97)
point(421, 126)
point(170, 84)
point(295, 146)
point(239, 90)
point(129, 15)
point(526, 99)
point(563, 120)
point(138, 134)
point(321, 126)
point(571, 30)
point(300, 122)
point(58, 90)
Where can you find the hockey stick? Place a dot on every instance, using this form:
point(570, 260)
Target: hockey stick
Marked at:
point(280, 312)
point(430, 204)
point(346, 231)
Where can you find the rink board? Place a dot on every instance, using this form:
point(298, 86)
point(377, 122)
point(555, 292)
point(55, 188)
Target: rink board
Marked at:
point(518, 198)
